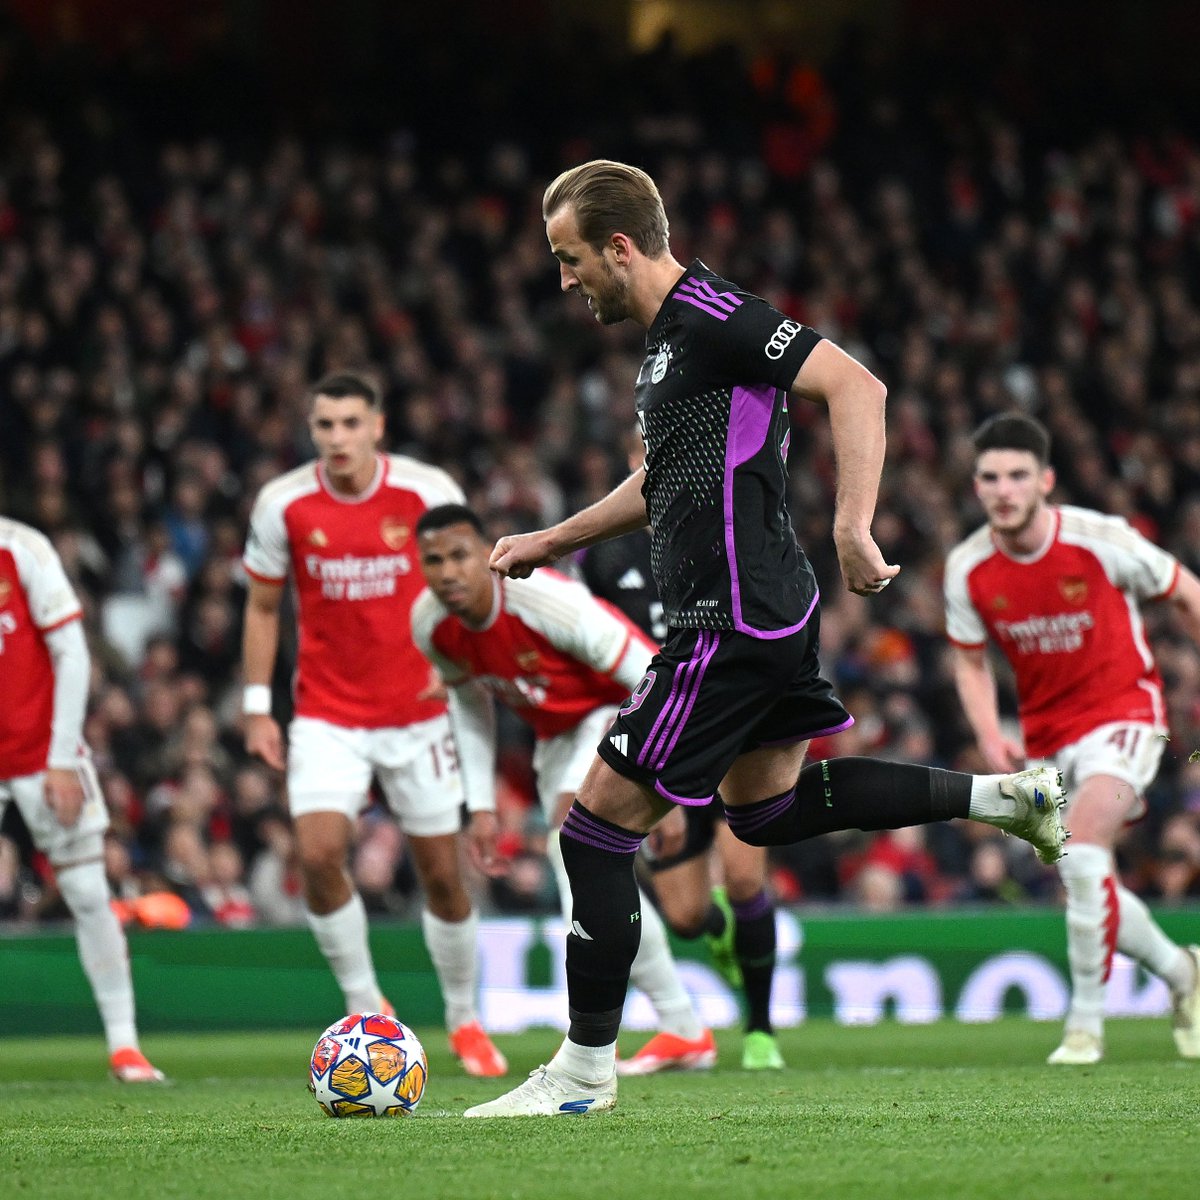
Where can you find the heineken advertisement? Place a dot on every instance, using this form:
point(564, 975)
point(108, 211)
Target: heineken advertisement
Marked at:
point(859, 969)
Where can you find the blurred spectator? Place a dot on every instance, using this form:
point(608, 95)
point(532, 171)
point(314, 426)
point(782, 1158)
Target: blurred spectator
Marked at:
point(164, 303)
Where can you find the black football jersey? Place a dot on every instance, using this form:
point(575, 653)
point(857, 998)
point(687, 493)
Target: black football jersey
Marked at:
point(712, 406)
point(619, 571)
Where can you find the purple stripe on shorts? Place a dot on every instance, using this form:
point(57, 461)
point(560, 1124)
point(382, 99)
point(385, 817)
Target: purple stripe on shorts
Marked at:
point(679, 689)
point(691, 701)
point(760, 814)
point(583, 827)
point(816, 733)
point(748, 910)
point(687, 801)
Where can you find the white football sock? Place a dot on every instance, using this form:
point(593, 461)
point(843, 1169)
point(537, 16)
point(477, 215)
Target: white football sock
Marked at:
point(1140, 937)
point(102, 950)
point(654, 971)
point(453, 946)
point(1092, 922)
point(987, 800)
point(342, 937)
point(588, 1064)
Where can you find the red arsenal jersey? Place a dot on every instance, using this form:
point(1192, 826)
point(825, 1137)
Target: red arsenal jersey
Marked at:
point(35, 598)
point(1067, 619)
point(548, 650)
point(354, 566)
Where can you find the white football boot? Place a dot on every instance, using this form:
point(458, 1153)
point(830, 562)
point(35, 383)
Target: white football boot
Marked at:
point(1078, 1049)
point(549, 1092)
point(1185, 1017)
point(1039, 797)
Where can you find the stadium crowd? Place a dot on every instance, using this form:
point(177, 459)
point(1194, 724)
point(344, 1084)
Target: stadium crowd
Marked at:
point(166, 299)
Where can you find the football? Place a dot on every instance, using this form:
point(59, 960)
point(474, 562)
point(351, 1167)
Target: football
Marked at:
point(368, 1065)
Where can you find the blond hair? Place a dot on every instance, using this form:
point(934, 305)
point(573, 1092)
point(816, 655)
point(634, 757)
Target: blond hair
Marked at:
point(611, 197)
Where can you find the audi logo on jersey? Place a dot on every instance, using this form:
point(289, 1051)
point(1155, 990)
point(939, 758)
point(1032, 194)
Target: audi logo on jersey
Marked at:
point(782, 338)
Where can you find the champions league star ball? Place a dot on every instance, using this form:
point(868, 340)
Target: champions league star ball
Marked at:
point(368, 1065)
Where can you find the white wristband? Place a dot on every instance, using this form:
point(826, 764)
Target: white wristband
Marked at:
point(256, 700)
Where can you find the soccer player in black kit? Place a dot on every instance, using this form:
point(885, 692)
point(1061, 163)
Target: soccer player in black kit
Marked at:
point(736, 919)
point(736, 693)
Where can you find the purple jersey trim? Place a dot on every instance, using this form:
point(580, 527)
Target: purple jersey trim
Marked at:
point(816, 733)
point(750, 413)
point(702, 295)
point(687, 801)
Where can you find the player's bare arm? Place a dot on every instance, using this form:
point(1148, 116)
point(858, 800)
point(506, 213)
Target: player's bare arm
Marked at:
point(855, 400)
point(62, 786)
point(260, 643)
point(622, 511)
point(976, 684)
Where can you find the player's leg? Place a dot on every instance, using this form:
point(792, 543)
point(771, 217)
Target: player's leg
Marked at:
point(77, 856)
point(690, 905)
point(682, 1041)
point(600, 837)
point(745, 870)
point(751, 704)
point(561, 764)
point(871, 794)
point(418, 774)
point(1102, 915)
point(328, 777)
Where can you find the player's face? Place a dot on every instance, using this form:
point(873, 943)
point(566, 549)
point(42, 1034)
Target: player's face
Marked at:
point(346, 432)
point(1012, 486)
point(582, 267)
point(454, 562)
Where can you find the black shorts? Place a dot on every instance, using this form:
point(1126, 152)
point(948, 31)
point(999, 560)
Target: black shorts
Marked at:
point(710, 696)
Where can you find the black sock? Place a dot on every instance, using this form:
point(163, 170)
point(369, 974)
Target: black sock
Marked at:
point(605, 923)
point(754, 942)
point(714, 922)
point(852, 793)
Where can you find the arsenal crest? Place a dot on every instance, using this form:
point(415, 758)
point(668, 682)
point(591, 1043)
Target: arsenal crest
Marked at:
point(999, 603)
point(1073, 589)
point(394, 532)
point(318, 538)
point(5, 592)
point(527, 660)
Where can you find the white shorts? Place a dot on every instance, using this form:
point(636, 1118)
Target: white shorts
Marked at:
point(561, 763)
point(1127, 751)
point(330, 769)
point(60, 844)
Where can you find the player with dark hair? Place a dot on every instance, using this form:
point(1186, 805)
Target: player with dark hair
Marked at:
point(562, 661)
point(342, 528)
point(735, 694)
point(1057, 589)
point(736, 918)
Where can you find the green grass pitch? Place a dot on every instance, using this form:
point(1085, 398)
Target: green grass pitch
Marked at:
point(940, 1112)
